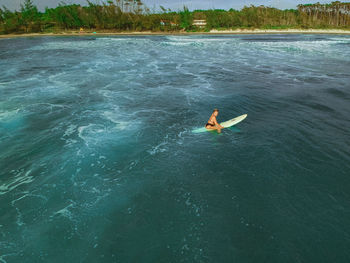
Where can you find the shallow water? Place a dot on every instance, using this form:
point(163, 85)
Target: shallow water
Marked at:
point(98, 162)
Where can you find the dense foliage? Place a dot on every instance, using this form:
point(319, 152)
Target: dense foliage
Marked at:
point(132, 15)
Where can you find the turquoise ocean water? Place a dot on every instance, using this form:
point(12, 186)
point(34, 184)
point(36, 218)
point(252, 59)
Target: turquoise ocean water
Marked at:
point(98, 162)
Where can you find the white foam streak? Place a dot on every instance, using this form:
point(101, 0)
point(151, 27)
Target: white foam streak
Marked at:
point(120, 125)
point(16, 182)
point(5, 115)
point(70, 130)
point(158, 148)
point(86, 132)
point(65, 212)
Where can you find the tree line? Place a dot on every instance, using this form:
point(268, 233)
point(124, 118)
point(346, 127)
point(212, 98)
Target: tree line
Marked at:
point(133, 15)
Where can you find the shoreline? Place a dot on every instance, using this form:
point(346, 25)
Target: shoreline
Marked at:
point(211, 32)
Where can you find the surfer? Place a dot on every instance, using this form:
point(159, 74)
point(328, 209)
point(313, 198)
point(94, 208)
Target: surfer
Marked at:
point(213, 123)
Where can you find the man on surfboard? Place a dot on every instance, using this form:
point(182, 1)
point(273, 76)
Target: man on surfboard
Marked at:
point(212, 123)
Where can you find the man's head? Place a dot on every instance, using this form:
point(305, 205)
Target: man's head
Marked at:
point(216, 112)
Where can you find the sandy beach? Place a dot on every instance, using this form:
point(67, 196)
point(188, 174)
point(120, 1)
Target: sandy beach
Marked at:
point(214, 31)
point(281, 31)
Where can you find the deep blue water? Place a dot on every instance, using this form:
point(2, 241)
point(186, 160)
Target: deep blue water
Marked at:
point(98, 162)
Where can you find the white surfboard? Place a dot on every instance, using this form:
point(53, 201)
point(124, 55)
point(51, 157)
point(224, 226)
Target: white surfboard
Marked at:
point(225, 124)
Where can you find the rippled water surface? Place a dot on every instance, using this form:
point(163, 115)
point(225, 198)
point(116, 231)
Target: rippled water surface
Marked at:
point(98, 162)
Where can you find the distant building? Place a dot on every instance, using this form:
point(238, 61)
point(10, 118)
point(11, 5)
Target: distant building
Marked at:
point(167, 23)
point(199, 23)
